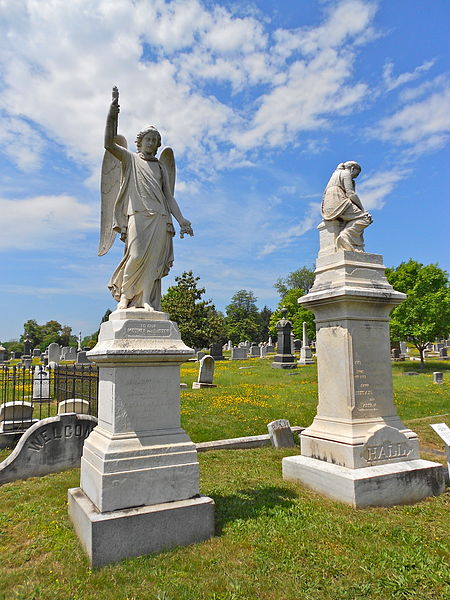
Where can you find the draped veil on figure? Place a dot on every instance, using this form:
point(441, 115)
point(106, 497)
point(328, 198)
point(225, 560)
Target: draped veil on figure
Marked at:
point(340, 202)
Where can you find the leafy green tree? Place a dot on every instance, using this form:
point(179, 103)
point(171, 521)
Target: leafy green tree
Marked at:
point(296, 313)
point(425, 315)
point(302, 279)
point(198, 320)
point(242, 317)
point(43, 335)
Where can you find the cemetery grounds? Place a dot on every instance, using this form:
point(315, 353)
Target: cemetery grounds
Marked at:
point(274, 540)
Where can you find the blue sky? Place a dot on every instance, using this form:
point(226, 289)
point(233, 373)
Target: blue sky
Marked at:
point(259, 100)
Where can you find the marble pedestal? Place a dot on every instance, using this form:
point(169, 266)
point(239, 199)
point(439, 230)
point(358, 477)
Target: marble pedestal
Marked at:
point(138, 457)
point(357, 449)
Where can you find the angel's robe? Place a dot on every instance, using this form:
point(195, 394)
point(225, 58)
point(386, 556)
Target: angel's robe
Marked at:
point(142, 212)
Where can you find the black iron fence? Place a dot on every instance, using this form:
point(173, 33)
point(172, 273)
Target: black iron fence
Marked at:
point(29, 394)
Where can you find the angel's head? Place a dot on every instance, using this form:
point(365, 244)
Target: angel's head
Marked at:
point(148, 140)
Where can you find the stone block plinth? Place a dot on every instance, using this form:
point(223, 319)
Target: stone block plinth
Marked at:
point(111, 537)
point(138, 455)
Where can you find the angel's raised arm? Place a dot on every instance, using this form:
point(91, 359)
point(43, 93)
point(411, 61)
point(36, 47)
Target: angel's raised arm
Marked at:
point(111, 127)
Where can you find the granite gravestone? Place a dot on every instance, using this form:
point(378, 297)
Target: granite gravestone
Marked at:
point(284, 359)
point(238, 354)
point(216, 351)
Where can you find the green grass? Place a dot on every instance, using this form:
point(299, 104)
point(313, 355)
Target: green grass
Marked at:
point(245, 400)
point(274, 540)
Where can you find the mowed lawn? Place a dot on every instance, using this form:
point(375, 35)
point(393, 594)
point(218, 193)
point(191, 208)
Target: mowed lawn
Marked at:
point(274, 540)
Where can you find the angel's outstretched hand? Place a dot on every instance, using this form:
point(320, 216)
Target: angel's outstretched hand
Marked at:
point(186, 228)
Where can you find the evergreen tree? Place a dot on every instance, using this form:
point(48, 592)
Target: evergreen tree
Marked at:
point(242, 317)
point(198, 320)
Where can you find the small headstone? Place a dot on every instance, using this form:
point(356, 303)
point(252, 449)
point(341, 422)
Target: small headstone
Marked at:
point(64, 350)
point(82, 359)
point(26, 362)
point(281, 434)
point(183, 386)
point(13, 355)
point(229, 345)
point(16, 416)
point(41, 385)
point(216, 351)
point(73, 405)
point(238, 353)
point(54, 353)
point(395, 353)
point(262, 351)
point(71, 353)
point(205, 374)
point(410, 373)
point(403, 348)
point(443, 353)
point(36, 353)
point(254, 351)
point(438, 377)
point(200, 355)
point(270, 348)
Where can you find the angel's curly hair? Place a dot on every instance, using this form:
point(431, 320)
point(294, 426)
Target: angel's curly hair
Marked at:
point(143, 132)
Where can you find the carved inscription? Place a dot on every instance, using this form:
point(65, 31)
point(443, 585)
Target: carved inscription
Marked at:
point(363, 393)
point(145, 330)
point(386, 451)
point(57, 432)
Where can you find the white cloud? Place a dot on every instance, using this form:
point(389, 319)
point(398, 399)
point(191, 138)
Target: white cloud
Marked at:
point(422, 126)
point(44, 221)
point(59, 61)
point(285, 238)
point(393, 82)
point(374, 190)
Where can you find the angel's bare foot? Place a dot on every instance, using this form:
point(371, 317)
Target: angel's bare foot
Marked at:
point(123, 303)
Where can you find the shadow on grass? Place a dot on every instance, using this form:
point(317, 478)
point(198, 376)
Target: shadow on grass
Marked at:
point(250, 504)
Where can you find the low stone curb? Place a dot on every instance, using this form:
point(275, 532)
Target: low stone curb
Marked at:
point(241, 443)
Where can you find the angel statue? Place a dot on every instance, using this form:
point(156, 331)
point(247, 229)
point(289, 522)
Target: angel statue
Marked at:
point(138, 203)
point(341, 203)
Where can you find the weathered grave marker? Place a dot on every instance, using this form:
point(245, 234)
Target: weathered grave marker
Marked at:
point(281, 434)
point(205, 374)
point(49, 446)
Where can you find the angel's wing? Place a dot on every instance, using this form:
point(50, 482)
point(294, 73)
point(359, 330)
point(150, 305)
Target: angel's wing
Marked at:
point(168, 160)
point(110, 184)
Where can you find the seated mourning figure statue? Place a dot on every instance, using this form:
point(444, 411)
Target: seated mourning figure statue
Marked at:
point(341, 204)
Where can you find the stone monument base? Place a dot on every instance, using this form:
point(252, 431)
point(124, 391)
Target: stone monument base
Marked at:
point(113, 536)
point(383, 485)
point(196, 385)
point(283, 365)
